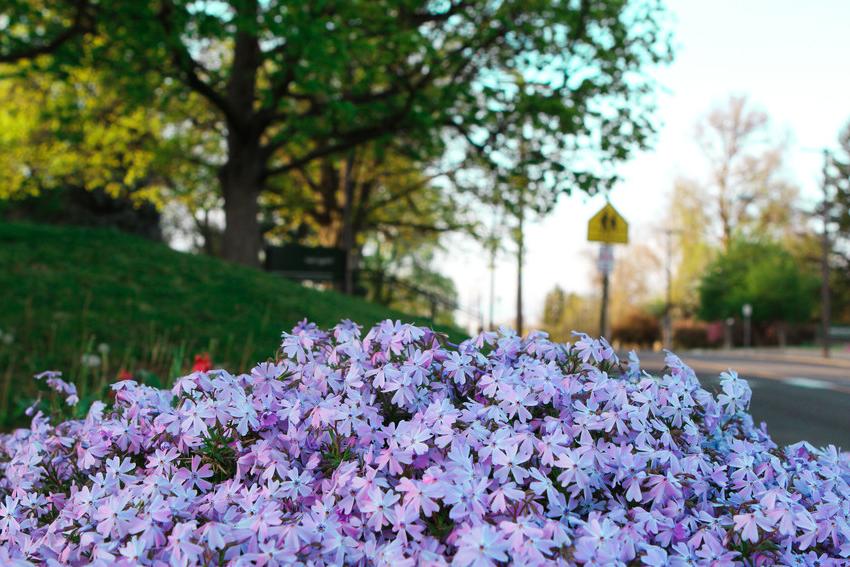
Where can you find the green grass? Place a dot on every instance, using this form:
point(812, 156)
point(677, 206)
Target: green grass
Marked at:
point(63, 291)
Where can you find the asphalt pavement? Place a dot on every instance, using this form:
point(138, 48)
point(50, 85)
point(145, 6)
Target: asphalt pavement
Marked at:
point(799, 395)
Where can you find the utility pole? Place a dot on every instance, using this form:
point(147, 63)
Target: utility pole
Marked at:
point(492, 306)
point(520, 257)
point(825, 314)
point(667, 338)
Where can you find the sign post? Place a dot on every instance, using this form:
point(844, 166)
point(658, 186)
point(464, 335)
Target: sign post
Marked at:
point(606, 266)
point(608, 227)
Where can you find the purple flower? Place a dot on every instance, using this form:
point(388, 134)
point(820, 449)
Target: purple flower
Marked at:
point(194, 476)
point(481, 546)
point(378, 507)
point(392, 447)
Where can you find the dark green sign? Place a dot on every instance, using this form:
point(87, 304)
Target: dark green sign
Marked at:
point(306, 263)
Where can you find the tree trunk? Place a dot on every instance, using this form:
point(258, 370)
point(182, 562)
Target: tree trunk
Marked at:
point(241, 181)
point(242, 176)
point(348, 182)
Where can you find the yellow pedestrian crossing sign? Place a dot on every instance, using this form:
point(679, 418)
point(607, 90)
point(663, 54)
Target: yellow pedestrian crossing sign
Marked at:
point(608, 226)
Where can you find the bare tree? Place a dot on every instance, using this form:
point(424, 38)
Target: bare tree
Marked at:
point(746, 181)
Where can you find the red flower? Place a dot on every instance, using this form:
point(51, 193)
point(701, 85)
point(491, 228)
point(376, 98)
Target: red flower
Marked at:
point(203, 363)
point(125, 375)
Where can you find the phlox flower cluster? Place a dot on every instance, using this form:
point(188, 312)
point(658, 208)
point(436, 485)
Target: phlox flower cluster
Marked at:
point(392, 446)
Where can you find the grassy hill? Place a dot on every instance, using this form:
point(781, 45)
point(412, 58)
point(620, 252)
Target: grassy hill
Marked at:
point(66, 292)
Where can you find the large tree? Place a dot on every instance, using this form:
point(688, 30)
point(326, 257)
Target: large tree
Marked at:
point(371, 191)
point(747, 190)
point(292, 82)
point(838, 198)
point(762, 274)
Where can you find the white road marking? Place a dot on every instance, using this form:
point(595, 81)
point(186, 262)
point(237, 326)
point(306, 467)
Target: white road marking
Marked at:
point(810, 383)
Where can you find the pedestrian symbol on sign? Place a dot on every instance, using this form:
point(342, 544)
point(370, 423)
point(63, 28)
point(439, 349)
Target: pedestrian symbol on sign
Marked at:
point(608, 226)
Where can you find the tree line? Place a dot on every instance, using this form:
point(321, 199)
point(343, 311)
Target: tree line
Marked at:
point(370, 126)
point(378, 127)
point(741, 234)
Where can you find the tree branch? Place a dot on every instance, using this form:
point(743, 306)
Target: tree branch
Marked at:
point(349, 140)
point(80, 25)
point(187, 65)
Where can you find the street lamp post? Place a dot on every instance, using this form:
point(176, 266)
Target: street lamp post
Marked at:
point(747, 312)
point(667, 330)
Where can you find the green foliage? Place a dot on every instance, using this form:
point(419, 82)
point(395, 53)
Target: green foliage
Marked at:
point(763, 274)
point(392, 196)
point(288, 82)
point(565, 312)
point(839, 180)
point(66, 290)
point(554, 305)
point(30, 28)
point(81, 132)
point(401, 272)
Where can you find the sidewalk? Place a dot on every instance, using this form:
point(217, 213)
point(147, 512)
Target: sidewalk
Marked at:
point(790, 365)
point(838, 356)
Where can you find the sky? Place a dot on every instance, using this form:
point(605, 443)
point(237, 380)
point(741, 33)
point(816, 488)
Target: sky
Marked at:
point(791, 58)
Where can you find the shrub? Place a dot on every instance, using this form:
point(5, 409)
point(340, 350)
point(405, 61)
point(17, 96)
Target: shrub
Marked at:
point(637, 328)
point(398, 448)
point(692, 334)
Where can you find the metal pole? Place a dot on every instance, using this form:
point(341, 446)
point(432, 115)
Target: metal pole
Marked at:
point(520, 247)
point(603, 312)
point(520, 259)
point(492, 284)
point(825, 314)
point(668, 305)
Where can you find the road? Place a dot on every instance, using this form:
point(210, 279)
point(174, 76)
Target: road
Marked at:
point(799, 396)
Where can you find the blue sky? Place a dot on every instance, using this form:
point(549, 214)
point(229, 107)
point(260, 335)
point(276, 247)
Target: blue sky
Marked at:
point(791, 58)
